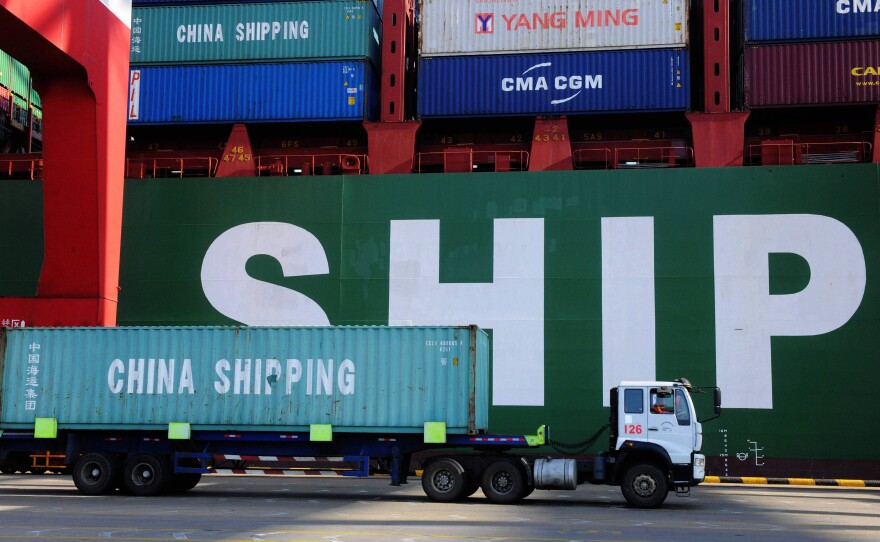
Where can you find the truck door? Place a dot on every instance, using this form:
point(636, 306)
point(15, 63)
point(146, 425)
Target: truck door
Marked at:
point(670, 422)
point(633, 415)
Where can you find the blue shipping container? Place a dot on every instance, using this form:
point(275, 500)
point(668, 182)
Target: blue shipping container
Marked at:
point(301, 91)
point(552, 84)
point(357, 379)
point(766, 21)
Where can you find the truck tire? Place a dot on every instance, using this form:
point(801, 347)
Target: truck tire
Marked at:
point(97, 473)
point(504, 482)
point(472, 484)
point(183, 481)
point(180, 482)
point(444, 480)
point(145, 475)
point(644, 486)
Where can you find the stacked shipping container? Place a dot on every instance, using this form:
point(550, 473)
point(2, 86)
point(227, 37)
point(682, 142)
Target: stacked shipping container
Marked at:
point(552, 57)
point(18, 99)
point(811, 52)
point(254, 62)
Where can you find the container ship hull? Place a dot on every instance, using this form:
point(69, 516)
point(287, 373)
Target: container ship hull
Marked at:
point(763, 280)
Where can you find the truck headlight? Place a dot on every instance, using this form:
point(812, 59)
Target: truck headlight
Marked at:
point(700, 461)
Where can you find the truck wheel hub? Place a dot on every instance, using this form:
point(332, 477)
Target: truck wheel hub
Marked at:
point(443, 481)
point(644, 485)
point(501, 482)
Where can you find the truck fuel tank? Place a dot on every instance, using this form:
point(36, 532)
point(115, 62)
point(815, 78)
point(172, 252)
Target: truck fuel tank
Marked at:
point(555, 474)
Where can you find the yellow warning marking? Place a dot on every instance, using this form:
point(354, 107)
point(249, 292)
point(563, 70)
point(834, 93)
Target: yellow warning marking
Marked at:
point(851, 483)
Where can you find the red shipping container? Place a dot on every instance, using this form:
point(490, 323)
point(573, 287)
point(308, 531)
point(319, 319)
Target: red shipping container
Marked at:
point(812, 74)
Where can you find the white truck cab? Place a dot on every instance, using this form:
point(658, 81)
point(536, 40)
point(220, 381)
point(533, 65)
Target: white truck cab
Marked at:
point(655, 440)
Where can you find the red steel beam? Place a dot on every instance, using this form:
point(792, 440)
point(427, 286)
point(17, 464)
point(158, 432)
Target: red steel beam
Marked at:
point(77, 51)
point(392, 140)
point(718, 133)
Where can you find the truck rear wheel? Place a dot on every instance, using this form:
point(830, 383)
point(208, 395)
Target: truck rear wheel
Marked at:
point(644, 486)
point(145, 475)
point(444, 480)
point(183, 481)
point(504, 482)
point(97, 473)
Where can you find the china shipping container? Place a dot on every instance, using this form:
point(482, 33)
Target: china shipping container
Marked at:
point(812, 74)
point(377, 3)
point(285, 31)
point(766, 21)
point(464, 27)
point(551, 84)
point(297, 91)
point(360, 379)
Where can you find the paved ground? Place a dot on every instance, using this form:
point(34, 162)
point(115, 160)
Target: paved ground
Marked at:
point(48, 507)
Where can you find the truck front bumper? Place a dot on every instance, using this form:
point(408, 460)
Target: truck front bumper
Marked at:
point(699, 468)
point(690, 474)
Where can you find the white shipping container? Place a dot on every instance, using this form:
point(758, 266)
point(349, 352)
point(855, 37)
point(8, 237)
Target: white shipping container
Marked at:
point(486, 27)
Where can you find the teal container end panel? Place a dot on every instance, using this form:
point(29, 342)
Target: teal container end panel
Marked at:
point(355, 378)
point(335, 29)
point(481, 394)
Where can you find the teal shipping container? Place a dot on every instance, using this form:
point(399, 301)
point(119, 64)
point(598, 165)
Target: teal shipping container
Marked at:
point(357, 379)
point(16, 77)
point(288, 31)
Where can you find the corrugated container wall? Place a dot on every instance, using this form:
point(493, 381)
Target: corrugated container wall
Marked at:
point(284, 31)
point(297, 91)
point(15, 76)
point(767, 21)
point(377, 3)
point(551, 84)
point(355, 378)
point(812, 74)
point(465, 27)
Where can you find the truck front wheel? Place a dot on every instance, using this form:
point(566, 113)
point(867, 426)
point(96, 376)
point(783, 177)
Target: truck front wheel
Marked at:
point(444, 480)
point(644, 486)
point(97, 473)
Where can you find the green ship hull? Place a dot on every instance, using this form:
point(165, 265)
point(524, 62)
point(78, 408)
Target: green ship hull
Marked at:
point(763, 281)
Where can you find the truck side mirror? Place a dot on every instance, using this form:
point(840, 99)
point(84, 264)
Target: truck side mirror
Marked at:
point(718, 401)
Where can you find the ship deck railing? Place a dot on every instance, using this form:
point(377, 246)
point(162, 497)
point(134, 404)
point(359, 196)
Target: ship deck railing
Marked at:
point(170, 167)
point(470, 161)
point(633, 157)
point(790, 152)
point(306, 163)
point(22, 166)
